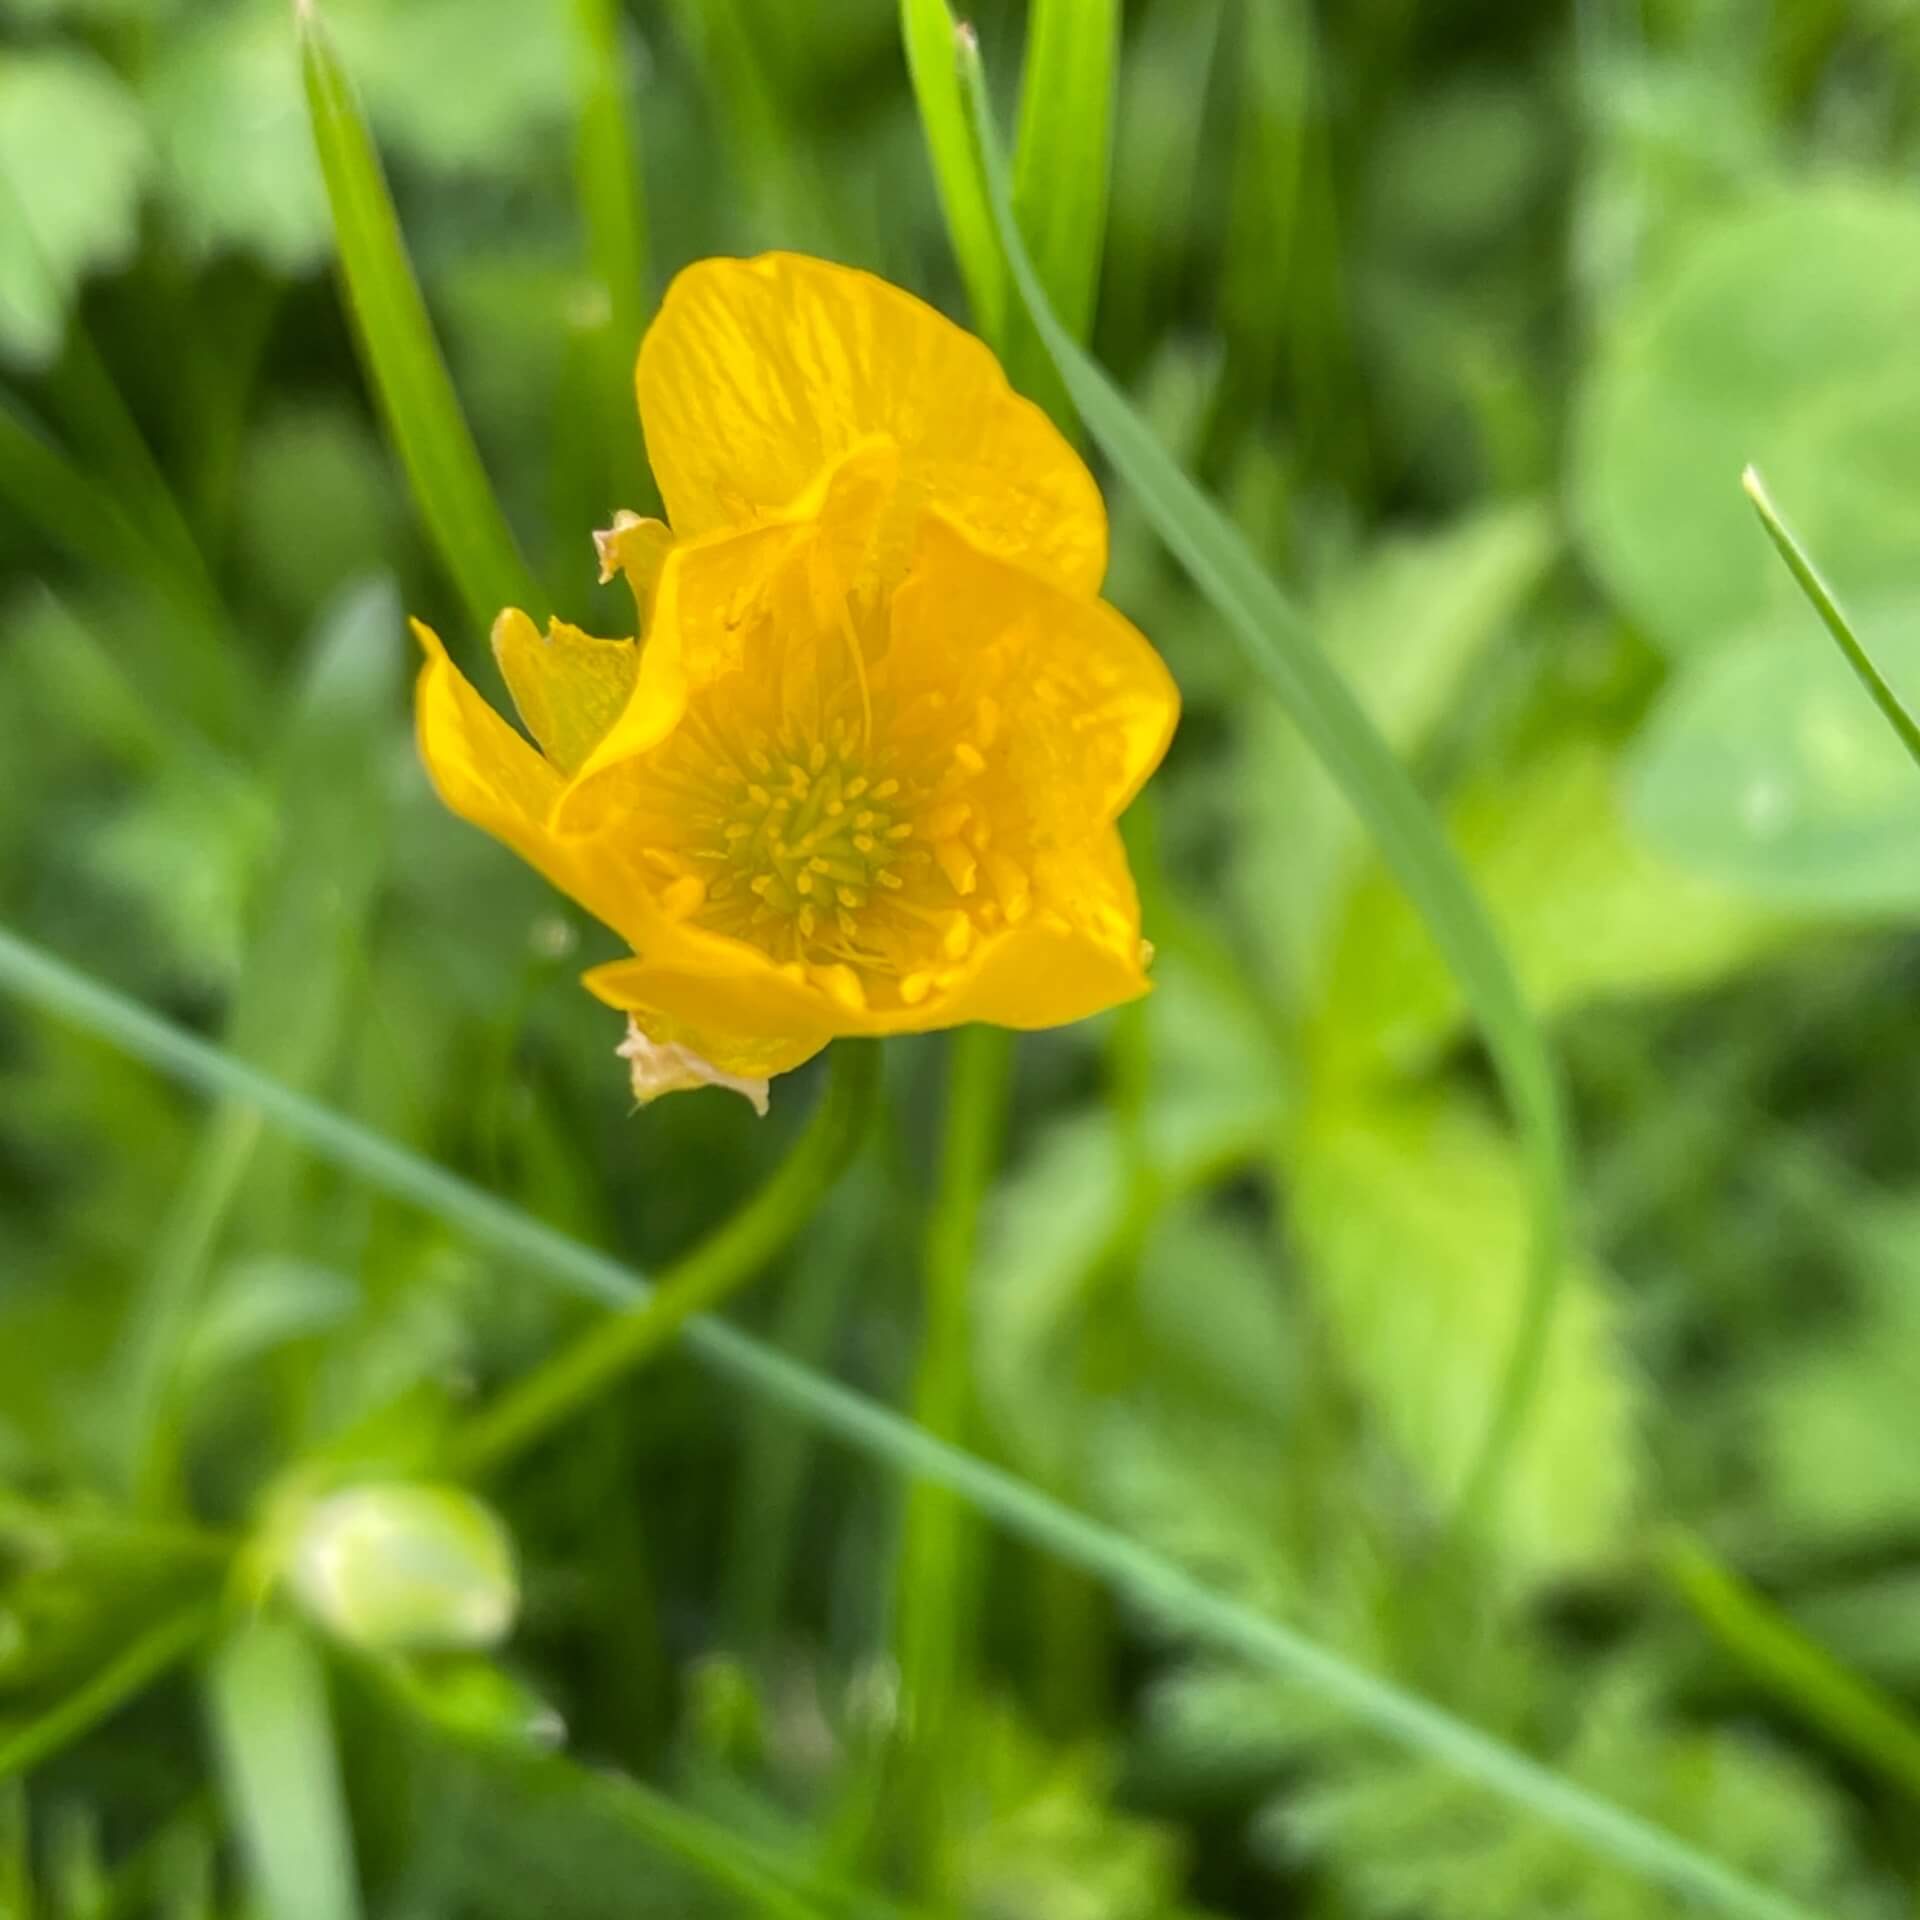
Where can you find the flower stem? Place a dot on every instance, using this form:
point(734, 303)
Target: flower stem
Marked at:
point(729, 1257)
point(939, 1550)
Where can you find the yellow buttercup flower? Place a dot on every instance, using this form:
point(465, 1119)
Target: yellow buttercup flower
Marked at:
point(861, 770)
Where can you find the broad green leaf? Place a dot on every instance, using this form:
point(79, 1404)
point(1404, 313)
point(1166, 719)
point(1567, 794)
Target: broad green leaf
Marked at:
point(1589, 910)
point(1781, 338)
point(273, 1726)
point(73, 165)
point(1767, 770)
point(1411, 1216)
point(236, 165)
point(461, 85)
point(1407, 626)
point(403, 361)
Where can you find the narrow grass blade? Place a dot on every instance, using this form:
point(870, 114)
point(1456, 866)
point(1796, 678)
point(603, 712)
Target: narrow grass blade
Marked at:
point(267, 1697)
point(613, 205)
point(1409, 838)
point(1836, 1703)
point(1630, 1842)
point(1801, 566)
point(926, 29)
point(1063, 153)
point(159, 1649)
point(403, 361)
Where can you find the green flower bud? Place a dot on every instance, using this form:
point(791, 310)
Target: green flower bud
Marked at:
point(405, 1568)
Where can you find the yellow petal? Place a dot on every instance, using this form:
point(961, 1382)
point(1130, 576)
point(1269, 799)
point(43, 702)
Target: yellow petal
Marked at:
point(488, 775)
point(752, 1033)
point(1071, 699)
point(719, 594)
point(568, 686)
point(759, 374)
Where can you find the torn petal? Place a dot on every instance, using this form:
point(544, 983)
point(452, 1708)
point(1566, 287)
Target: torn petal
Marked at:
point(659, 1067)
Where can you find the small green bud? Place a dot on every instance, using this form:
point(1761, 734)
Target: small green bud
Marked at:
point(405, 1568)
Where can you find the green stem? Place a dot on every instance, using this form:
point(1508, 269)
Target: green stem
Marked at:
point(575, 1377)
point(940, 1551)
point(157, 1650)
point(1848, 1710)
point(1800, 565)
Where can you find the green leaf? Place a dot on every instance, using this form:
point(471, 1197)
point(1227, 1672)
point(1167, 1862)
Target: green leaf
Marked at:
point(73, 165)
point(237, 170)
point(1281, 651)
point(403, 362)
point(926, 28)
point(1412, 1222)
point(463, 86)
point(1766, 771)
point(1407, 625)
point(1588, 909)
point(1143, 1577)
point(1782, 338)
point(267, 1698)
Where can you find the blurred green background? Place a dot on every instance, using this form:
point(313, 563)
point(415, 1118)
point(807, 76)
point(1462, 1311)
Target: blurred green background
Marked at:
point(1470, 315)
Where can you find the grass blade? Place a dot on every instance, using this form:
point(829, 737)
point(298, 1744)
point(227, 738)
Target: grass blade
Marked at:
point(99, 1698)
point(1630, 1842)
point(1064, 151)
point(613, 205)
point(1800, 565)
point(926, 29)
point(1835, 1702)
point(1404, 828)
point(267, 1695)
point(403, 362)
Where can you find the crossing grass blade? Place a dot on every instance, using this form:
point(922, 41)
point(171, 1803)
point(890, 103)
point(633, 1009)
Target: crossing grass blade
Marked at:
point(1063, 153)
point(1634, 1844)
point(926, 30)
point(402, 358)
point(1410, 839)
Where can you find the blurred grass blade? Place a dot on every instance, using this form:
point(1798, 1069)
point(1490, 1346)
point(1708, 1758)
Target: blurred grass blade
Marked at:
point(1064, 151)
point(613, 205)
point(267, 1695)
point(402, 358)
point(291, 999)
point(926, 28)
point(1800, 565)
point(1404, 828)
point(1139, 1575)
point(24, 1747)
point(1837, 1703)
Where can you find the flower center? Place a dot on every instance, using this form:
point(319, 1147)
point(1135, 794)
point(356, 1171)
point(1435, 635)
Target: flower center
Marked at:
point(812, 837)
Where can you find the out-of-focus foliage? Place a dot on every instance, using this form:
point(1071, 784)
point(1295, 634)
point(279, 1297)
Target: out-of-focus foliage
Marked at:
point(1470, 316)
